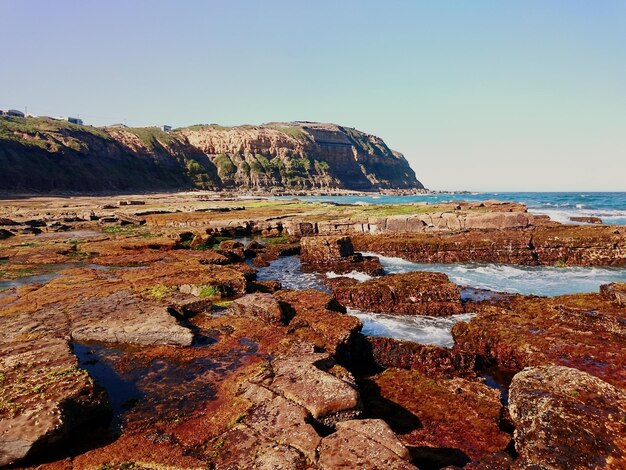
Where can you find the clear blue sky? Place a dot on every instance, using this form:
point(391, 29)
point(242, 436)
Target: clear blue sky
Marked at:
point(479, 95)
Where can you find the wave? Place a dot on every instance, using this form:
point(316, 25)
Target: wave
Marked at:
point(359, 276)
point(527, 280)
point(416, 328)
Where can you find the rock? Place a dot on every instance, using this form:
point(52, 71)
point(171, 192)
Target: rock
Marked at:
point(363, 444)
point(302, 380)
point(566, 418)
point(8, 222)
point(585, 331)
point(260, 305)
point(324, 249)
point(544, 245)
point(4, 234)
point(30, 231)
point(336, 254)
point(615, 293)
point(416, 293)
point(45, 396)
point(317, 318)
point(458, 415)
point(284, 422)
point(270, 286)
point(189, 307)
point(432, 361)
point(136, 324)
point(587, 220)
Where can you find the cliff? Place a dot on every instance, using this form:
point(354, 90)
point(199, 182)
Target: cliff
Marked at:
point(45, 155)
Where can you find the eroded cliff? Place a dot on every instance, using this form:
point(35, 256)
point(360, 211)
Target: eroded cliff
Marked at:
point(39, 154)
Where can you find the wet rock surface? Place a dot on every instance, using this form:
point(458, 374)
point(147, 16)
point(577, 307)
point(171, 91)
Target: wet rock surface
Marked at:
point(442, 421)
point(336, 254)
point(544, 245)
point(566, 418)
point(416, 293)
point(203, 365)
point(584, 331)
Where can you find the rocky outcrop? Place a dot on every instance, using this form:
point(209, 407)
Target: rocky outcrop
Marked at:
point(416, 293)
point(565, 418)
point(432, 361)
point(41, 154)
point(442, 421)
point(545, 245)
point(614, 292)
point(585, 331)
point(336, 254)
point(367, 444)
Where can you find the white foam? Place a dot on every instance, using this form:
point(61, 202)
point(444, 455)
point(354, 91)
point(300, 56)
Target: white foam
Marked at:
point(359, 276)
point(417, 328)
point(528, 280)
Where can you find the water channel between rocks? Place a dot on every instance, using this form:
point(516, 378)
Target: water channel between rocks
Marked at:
point(476, 281)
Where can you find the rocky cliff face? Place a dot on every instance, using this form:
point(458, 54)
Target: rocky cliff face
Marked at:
point(48, 155)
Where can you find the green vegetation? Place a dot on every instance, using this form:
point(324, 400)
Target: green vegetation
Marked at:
point(293, 131)
point(209, 291)
point(159, 292)
point(225, 166)
point(276, 240)
point(151, 137)
point(221, 304)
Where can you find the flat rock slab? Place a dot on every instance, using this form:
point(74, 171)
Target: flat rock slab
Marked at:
point(364, 444)
point(263, 306)
point(134, 322)
point(44, 396)
point(565, 418)
point(457, 414)
point(416, 293)
point(326, 397)
point(584, 331)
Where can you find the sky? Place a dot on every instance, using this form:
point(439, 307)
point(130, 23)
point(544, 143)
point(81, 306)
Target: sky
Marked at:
point(478, 95)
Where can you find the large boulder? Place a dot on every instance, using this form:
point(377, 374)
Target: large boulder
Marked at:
point(317, 318)
point(416, 293)
point(566, 418)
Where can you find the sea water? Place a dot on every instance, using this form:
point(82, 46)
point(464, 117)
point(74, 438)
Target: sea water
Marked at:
point(560, 206)
point(528, 280)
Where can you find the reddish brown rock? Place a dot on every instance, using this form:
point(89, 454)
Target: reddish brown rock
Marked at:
point(458, 415)
point(317, 318)
point(587, 220)
point(614, 292)
point(45, 396)
point(432, 361)
point(365, 444)
point(565, 418)
point(584, 331)
point(336, 254)
point(416, 293)
point(572, 245)
point(263, 306)
point(325, 249)
point(302, 380)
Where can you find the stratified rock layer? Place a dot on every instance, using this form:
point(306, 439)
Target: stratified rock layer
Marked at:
point(50, 155)
point(416, 293)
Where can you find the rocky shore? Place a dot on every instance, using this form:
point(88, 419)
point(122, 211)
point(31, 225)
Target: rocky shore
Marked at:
point(137, 333)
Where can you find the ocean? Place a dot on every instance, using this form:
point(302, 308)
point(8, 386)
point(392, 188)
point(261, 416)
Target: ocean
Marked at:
point(560, 206)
